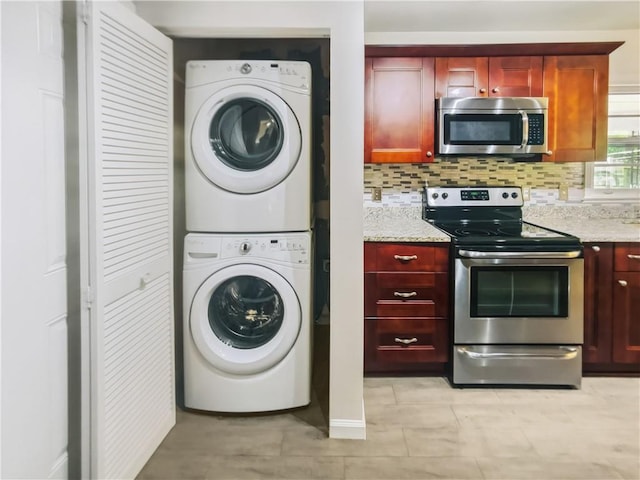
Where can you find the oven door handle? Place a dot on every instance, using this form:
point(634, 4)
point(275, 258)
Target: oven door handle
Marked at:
point(476, 254)
point(567, 352)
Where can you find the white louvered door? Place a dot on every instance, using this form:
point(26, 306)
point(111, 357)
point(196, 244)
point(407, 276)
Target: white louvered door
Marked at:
point(130, 120)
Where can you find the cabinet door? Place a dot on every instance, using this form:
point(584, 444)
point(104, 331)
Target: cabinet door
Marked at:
point(577, 88)
point(515, 76)
point(598, 280)
point(462, 77)
point(399, 110)
point(626, 322)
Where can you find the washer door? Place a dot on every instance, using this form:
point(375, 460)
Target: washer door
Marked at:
point(245, 319)
point(245, 139)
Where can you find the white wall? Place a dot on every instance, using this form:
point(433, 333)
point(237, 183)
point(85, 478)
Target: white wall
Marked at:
point(624, 66)
point(343, 21)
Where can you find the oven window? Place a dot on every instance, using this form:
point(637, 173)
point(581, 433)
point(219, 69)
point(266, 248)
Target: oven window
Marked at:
point(538, 291)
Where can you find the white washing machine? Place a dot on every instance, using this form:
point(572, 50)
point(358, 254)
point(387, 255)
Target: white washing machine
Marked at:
point(247, 321)
point(248, 146)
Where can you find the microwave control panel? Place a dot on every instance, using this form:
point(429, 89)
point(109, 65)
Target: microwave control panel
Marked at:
point(536, 129)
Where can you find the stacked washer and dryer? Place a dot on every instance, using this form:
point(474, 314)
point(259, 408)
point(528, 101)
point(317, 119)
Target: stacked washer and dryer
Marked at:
point(248, 254)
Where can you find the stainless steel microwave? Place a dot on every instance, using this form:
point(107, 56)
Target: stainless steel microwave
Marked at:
point(492, 126)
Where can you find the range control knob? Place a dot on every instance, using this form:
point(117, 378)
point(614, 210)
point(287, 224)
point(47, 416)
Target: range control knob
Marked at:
point(434, 195)
point(505, 195)
point(445, 195)
point(245, 247)
point(514, 195)
point(245, 68)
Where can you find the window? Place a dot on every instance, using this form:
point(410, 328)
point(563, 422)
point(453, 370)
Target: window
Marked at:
point(618, 177)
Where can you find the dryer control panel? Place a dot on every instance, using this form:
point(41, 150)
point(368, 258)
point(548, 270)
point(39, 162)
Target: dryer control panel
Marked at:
point(287, 248)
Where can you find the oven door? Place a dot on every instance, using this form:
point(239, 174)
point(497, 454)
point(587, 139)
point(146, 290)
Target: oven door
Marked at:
point(518, 300)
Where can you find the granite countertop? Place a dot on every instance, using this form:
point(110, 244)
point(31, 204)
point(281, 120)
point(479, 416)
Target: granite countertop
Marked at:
point(399, 224)
point(594, 229)
point(588, 223)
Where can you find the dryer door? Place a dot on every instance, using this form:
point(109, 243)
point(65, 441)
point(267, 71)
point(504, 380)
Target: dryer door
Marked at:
point(245, 139)
point(245, 319)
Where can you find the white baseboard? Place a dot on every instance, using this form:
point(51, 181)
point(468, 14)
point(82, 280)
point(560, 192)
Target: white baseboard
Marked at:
point(349, 429)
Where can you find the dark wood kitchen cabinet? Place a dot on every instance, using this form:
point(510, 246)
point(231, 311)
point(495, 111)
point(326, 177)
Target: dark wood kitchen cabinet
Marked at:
point(577, 87)
point(611, 303)
point(399, 110)
point(519, 76)
point(406, 326)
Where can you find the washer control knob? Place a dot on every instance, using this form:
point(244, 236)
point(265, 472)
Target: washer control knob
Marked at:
point(514, 195)
point(505, 195)
point(434, 195)
point(445, 195)
point(245, 247)
point(245, 68)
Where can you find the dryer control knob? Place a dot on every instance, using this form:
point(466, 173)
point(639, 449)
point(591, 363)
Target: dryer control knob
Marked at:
point(245, 247)
point(245, 68)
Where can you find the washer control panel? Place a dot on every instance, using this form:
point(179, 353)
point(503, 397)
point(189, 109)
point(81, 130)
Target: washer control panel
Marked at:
point(289, 248)
point(292, 73)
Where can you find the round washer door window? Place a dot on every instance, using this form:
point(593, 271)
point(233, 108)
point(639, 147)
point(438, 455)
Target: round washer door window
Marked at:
point(245, 319)
point(245, 139)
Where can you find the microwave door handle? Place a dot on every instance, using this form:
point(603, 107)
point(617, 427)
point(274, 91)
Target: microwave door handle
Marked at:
point(525, 128)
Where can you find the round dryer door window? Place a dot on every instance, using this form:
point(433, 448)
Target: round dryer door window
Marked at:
point(245, 319)
point(245, 139)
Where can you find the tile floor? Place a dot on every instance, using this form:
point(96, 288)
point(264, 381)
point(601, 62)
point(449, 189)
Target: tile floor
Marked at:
point(421, 428)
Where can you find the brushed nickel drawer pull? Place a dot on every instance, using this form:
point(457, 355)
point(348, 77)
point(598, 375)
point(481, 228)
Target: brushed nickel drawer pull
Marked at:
point(405, 341)
point(622, 283)
point(405, 258)
point(633, 257)
point(405, 294)
point(596, 248)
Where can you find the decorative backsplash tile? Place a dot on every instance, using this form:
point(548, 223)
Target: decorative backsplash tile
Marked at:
point(458, 171)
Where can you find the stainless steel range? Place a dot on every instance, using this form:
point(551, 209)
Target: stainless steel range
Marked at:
point(518, 290)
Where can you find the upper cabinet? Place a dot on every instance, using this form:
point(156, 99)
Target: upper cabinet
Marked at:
point(403, 83)
point(489, 76)
point(399, 110)
point(577, 87)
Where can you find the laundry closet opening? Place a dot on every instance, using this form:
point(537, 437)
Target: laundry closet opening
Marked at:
point(315, 51)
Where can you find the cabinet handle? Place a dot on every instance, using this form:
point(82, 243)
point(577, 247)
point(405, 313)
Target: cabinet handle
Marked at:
point(633, 257)
point(623, 283)
point(405, 294)
point(549, 152)
point(595, 248)
point(429, 154)
point(405, 341)
point(405, 258)
point(483, 90)
point(496, 90)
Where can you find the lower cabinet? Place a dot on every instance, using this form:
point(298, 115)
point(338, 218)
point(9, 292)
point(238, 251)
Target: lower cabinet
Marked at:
point(406, 325)
point(611, 306)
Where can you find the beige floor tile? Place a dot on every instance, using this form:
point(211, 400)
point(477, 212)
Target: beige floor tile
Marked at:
point(590, 444)
point(167, 464)
point(467, 442)
point(613, 414)
point(308, 441)
point(537, 468)
point(378, 394)
point(275, 468)
point(627, 467)
point(547, 396)
point(224, 440)
point(411, 415)
point(411, 468)
point(431, 393)
point(500, 415)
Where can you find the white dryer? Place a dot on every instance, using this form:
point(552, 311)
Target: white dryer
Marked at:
point(247, 321)
point(248, 146)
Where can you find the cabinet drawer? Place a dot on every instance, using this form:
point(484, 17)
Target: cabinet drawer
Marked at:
point(406, 257)
point(627, 257)
point(406, 294)
point(392, 343)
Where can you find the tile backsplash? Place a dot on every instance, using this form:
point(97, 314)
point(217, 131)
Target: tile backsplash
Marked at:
point(402, 183)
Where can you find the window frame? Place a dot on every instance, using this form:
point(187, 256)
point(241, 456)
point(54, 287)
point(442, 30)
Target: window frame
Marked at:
point(620, 195)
